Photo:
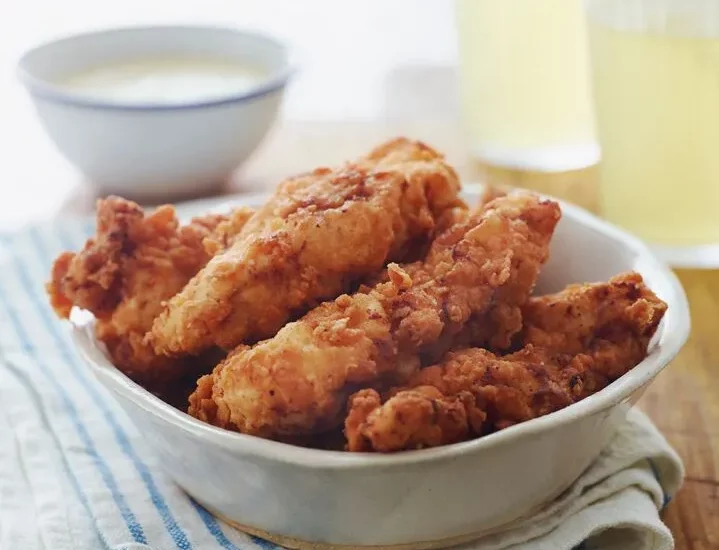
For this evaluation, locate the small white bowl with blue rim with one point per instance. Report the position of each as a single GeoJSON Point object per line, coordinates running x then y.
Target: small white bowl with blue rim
{"type": "Point", "coordinates": [153, 145]}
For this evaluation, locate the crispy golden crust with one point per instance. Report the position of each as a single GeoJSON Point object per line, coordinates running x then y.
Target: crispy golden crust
{"type": "Point", "coordinates": [495, 327]}
{"type": "Point", "coordinates": [439, 419]}
{"type": "Point", "coordinates": [289, 385]}
{"type": "Point", "coordinates": [498, 326]}
{"type": "Point", "coordinates": [224, 234]}
{"type": "Point", "coordinates": [605, 330]}
{"type": "Point", "coordinates": [320, 233]}
{"type": "Point", "coordinates": [297, 382]}
{"type": "Point", "coordinates": [123, 275]}
{"type": "Point", "coordinates": [619, 316]}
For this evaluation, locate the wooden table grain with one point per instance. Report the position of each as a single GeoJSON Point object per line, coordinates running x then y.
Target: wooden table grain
{"type": "Point", "coordinates": [417, 99]}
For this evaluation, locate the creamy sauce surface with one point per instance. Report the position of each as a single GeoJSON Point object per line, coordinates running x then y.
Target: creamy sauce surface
{"type": "Point", "coordinates": [165, 80]}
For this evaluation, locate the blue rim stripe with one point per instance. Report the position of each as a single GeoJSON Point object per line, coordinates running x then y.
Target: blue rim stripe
{"type": "Point", "coordinates": [128, 515]}
{"type": "Point", "coordinates": [49, 94]}
{"type": "Point", "coordinates": [38, 406]}
{"type": "Point", "coordinates": [42, 88]}
{"type": "Point", "coordinates": [173, 528]}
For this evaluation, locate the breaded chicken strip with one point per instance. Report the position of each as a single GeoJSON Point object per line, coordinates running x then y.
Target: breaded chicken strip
{"type": "Point", "coordinates": [125, 272]}
{"type": "Point", "coordinates": [225, 233]}
{"type": "Point", "coordinates": [318, 235]}
{"type": "Point", "coordinates": [495, 327]}
{"type": "Point", "coordinates": [575, 343]}
{"type": "Point", "coordinates": [435, 418]}
{"type": "Point", "coordinates": [297, 382]}
{"type": "Point", "coordinates": [620, 316]}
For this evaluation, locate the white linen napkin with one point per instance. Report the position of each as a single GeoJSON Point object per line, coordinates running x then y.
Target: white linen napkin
{"type": "Point", "coordinates": [614, 505]}
{"type": "Point", "coordinates": [76, 475]}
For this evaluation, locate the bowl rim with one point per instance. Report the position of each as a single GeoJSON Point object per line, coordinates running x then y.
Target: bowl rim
{"type": "Point", "coordinates": [44, 89]}
{"type": "Point", "coordinates": [677, 318]}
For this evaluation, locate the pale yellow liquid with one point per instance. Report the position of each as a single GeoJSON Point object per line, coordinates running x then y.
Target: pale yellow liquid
{"type": "Point", "coordinates": [657, 105]}
{"type": "Point", "coordinates": [524, 82]}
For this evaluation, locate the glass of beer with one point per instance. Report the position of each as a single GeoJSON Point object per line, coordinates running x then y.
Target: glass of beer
{"type": "Point", "coordinates": [524, 83]}
{"type": "Point", "coordinates": [655, 74]}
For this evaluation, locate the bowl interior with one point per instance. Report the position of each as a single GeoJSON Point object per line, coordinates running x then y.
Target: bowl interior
{"type": "Point", "coordinates": [45, 64]}
{"type": "Point", "coordinates": [585, 249]}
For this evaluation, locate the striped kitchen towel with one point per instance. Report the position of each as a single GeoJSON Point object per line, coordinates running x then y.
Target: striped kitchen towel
{"type": "Point", "coordinates": [76, 474]}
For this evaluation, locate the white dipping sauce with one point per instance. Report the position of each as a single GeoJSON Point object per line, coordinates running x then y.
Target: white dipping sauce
{"type": "Point", "coordinates": [166, 80]}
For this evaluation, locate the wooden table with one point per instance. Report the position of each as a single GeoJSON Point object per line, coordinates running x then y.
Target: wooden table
{"type": "Point", "coordinates": [415, 99]}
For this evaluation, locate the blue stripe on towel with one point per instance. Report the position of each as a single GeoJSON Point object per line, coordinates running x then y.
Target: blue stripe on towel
{"type": "Point", "coordinates": [213, 527]}
{"type": "Point", "coordinates": [133, 525]}
{"type": "Point", "coordinates": [73, 242]}
{"type": "Point", "coordinates": [173, 528]}
{"type": "Point", "coordinates": [666, 499]}
{"type": "Point", "coordinates": [262, 543]}
{"type": "Point", "coordinates": [207, 518]}
{"type": "Point", "coordinates": [25, 381]}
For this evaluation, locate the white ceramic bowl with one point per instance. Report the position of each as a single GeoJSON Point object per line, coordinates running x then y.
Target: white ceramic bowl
{"type": "Point", "coordinates": [427, 498]}
{"type": "Point", "coordinates": [155, 149]}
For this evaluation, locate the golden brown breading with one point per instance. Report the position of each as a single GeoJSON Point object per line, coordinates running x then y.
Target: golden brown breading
{"type": "Point", "coordinates": [577, 341]}
{"type": "Point", "coordinates": [226, 231]}
{"type": "Point", "coordinates": [124, 273]}
{"type": "Point", "coordinates": [297, 382]}
{"type": "Point", "coordinates": [437, 419]}
{"type": "Point", "coordinates": [496, 327]}
{"type": "Point", "coordinates": [473, 383]}
{"type": "Point", "coordinates": [623, 312]}
{"type": "Point", "coordinates": [318, 235]}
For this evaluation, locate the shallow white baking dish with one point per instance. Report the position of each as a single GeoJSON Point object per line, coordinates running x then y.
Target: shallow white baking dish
{"type": "Point", "coordinates": [423, 499]}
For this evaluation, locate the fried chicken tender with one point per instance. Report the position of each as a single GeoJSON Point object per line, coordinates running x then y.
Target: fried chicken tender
{"type": "Point", "coordinates": [575, 343]}
{"type": "Point", "coordinates": [225, 233]}
{"type": "Point", "coordinates": [437, 419]}
{"type": "Point", "coordinates": [618, 317]}
{"type": "Point", "coordinates": [124, 273]}
{"type": "Point", "coordinates": [319, 234]}
{"type": "Point", "coordinates": [298, 382]}
{"type": "Point", "coordinates": [496, 327]}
